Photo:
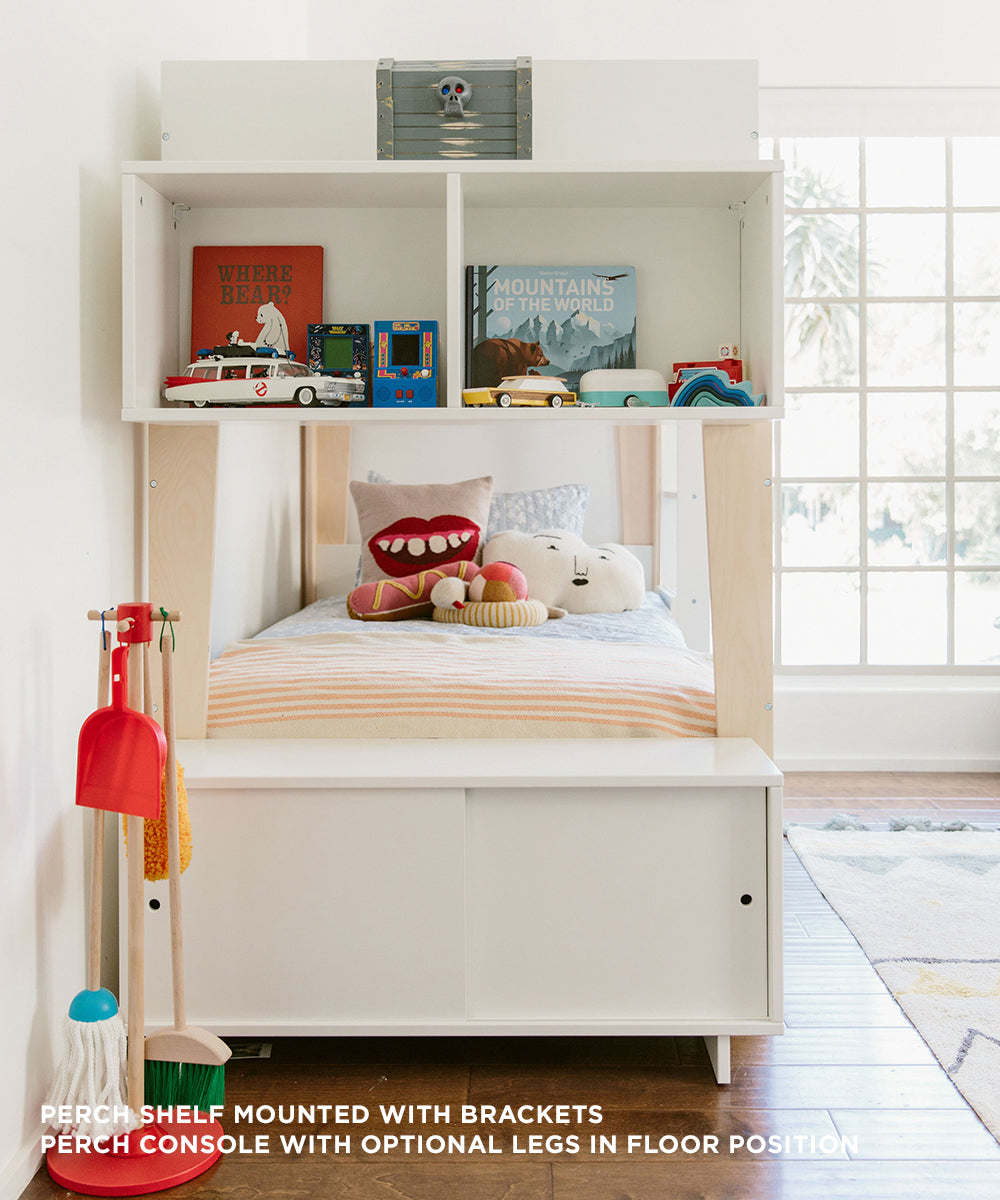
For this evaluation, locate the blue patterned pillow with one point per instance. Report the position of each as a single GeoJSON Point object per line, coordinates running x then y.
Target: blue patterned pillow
{"type": "Point", "coordinates": [562, 507]}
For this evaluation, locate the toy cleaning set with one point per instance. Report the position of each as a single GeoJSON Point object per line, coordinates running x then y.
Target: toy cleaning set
{"type": "Point", "coordinates": [132, 1113]}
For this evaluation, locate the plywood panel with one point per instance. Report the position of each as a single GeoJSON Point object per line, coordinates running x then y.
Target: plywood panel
{"type": "Point", "coordinates": [181, 487]}
{"type": "Point", "coordinates": [738, 497]}
{"type": "Point", "coordinates": [639, 484]}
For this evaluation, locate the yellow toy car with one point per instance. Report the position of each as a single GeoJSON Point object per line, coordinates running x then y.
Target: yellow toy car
{"type": "Point", "coordinates": [540, 390]}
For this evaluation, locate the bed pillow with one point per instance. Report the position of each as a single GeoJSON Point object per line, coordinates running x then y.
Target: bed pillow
{"type": "Point", "coordinates": [407, 528]}
{"type": "Point", "coordinates": [562, 507]}
{"type": "Point", "coordinates": [564, 572]}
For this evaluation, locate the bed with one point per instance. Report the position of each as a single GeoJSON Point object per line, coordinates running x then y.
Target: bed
{"type": "Point", "coordinates": [319, 674]}
{"type": "Point", "coordinates": [574, 829]}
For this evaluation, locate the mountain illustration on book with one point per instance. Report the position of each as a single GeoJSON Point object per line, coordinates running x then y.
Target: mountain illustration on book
{"type": "Point", "coordinates": [548, 320]}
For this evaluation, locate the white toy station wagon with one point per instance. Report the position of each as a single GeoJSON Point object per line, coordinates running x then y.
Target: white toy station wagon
{"type": "Point", "coordinates": [258, 379]}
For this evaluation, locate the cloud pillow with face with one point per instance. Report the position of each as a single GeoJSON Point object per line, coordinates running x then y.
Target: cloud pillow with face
{"type": "Point", "coordinates": [564, 572]}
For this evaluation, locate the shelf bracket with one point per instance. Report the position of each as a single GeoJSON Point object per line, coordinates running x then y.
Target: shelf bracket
{"type": "Point", "coordinates": [176, 209]}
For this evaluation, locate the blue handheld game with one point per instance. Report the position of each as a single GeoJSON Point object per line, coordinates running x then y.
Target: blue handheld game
{"type": "Point", "coordinates": [405, 368]}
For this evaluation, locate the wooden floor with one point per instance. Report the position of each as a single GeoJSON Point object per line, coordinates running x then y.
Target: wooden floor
{"type": "Point", "coordinates": [849, 1067]}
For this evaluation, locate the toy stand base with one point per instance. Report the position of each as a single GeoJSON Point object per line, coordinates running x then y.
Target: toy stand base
{"type": "Point", "coordinates": [143, 1167]}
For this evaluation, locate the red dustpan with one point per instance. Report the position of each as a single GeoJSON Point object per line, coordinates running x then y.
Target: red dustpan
{"type": "Point", "coordinates": [121, 753]}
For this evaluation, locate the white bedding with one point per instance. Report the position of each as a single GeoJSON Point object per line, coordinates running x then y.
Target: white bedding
{"type": "Point", "coordinates": [320, 674]}
{"type": "Point", "coordinates": [652, 625]}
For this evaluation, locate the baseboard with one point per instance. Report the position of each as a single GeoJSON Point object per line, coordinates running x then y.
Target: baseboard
{"type": "Point", "coordinates": [987, 766]}
{"type": "Point", "coordinates": [21, 1169]}
{"type": "Point", "coordinates": [887, 723]}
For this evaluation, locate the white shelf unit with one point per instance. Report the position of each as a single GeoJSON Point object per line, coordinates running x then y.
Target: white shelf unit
{"type": "Point", "coordinates": [704, 239]}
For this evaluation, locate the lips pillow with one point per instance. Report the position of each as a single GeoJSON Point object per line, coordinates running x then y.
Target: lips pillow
{"type": "Point", "coordinates": [564, 572]}
{"type": "Point", "coordinates": [409, 528]}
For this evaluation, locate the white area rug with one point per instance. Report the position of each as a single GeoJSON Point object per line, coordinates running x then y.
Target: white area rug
{"type": "Point", "coordinates": [925, 908]}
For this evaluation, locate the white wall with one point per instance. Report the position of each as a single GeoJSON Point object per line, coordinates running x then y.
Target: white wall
{"type": "Point", "coordinates": [80, 93]}
{"type": "Point", "coordinates": [829, 43]}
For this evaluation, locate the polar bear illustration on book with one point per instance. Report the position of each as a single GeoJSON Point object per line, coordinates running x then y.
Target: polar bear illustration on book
{"type": "Point", "coordinates": [275, 330]}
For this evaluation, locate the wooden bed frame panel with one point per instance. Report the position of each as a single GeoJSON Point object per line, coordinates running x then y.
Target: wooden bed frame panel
{"type": "Point", "coordinates": [182, 464]}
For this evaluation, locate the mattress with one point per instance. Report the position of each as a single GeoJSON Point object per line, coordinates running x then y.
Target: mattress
{"type": "Point", "coordinates": [319, 674]}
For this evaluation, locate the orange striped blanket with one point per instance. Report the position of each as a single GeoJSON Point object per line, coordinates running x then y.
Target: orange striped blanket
{"type": "Point", "coordinates": [438, 685]}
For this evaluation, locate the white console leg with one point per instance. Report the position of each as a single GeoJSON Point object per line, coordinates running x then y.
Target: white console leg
{"type": "Point", "coordinates": [718, 1053]}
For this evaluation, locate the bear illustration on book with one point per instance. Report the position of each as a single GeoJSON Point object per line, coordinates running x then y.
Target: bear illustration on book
{"type": "Point", "coordinates": [498, 358]}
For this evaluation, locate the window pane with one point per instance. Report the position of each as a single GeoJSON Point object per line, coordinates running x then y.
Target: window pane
{"type": "Point", "coordinates": [819, 435]}
{"type": "Point", "coordinates": [906, 254]}
{"type": "Point", "coordinates": [820, 619]}
{"type": "Point", "coordinates": [977, 341]}
{"type": "Point", "coordinates": [821, 255]}
{"type": "Point", "coordinates": [977, 523]}
{"type": "Point", "coordinates": [906, 345]}
{"type": "Point", "coordinates": [907, 524]}
{"type": "Point", "coordinates": [819, 526]}
{"type": "Point", "coordinates": [977, 434]}
{"type": "Point", "coordinates": [906, 433]}
{"type": "Point", "coordinates": [905, 172]}
{"type": "Point", "coordinates": [820, 172]}
{"type": "Point", "coordinates": [976, 169]}
{"type": "Point", "coordinates": [821, 345]}
{"type": "Point", "coordinates": [907, 618]}
{"type": "Point", "coordinates": [977, 253]}
{"type": "Point", "coordinates": [977, 617]}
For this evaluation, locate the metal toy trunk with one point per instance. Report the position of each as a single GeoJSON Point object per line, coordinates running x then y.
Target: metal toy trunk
{"type": "Point", "coordinates": [423, 112]}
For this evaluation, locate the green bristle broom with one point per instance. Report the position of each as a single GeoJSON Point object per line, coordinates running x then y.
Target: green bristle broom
{"type": "Point", "coordinates": [185, 1065]}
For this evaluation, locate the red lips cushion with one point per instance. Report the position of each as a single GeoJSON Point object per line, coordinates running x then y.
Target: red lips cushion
{"type": "Point", "coordinates": [409, 528]}
{"type": "Point", "coordinates": [414, 544]}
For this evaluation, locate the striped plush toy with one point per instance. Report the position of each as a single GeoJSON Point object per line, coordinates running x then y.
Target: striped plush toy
{"type": "Point", "coordinates": [497, 598]}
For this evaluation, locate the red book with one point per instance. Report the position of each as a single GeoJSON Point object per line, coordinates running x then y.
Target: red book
{"type": "Point", "coordinates": [256, 295]}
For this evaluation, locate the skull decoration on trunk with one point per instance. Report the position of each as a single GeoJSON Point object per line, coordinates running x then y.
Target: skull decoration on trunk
{"type": "Point", "coordinates": [454, 93]}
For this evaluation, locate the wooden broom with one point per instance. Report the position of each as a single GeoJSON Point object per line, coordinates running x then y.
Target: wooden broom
{"type": "Point", "coordinates": [184, 1064]}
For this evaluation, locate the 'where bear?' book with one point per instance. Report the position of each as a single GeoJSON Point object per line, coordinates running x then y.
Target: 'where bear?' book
{"type": "Point", "coordinates": [255, 296]}
{"type": "Point", "coordinates": [558, 321]}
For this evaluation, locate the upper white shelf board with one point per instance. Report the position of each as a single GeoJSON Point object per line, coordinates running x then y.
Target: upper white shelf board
{"type": "Point", "coordinates": [485, 184]}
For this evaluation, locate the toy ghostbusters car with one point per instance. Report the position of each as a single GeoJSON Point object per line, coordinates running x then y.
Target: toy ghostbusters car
{"type": "Point", "coordinates": [261, 378]}
{"type": "Point", "coordinates": [522, 389]}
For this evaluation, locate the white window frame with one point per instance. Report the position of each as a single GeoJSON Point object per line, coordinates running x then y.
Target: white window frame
{"type": "Point", "coordinates": [935, 113]}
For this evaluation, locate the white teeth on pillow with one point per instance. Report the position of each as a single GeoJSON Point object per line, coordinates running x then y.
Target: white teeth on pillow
{"type": "Point", "coordinates": [416, 546]}
{"type": "Point", "coordinates": [384, 544]}
{"type": "Point", "coordinates": [466, 535]}
{"type": "Point", "coordinates": [438, 544]}
{"type": "Point", "coordinates": [454, 541]}
{"type": "Point", "coordinates": [397, 545]}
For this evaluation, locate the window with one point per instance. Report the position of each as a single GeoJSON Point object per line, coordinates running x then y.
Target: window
{"type": "Point", "coordinates": [888, 551]}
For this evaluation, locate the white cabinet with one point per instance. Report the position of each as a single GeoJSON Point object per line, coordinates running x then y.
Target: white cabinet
{"type": "Point", "coordinates": [597, 887]}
